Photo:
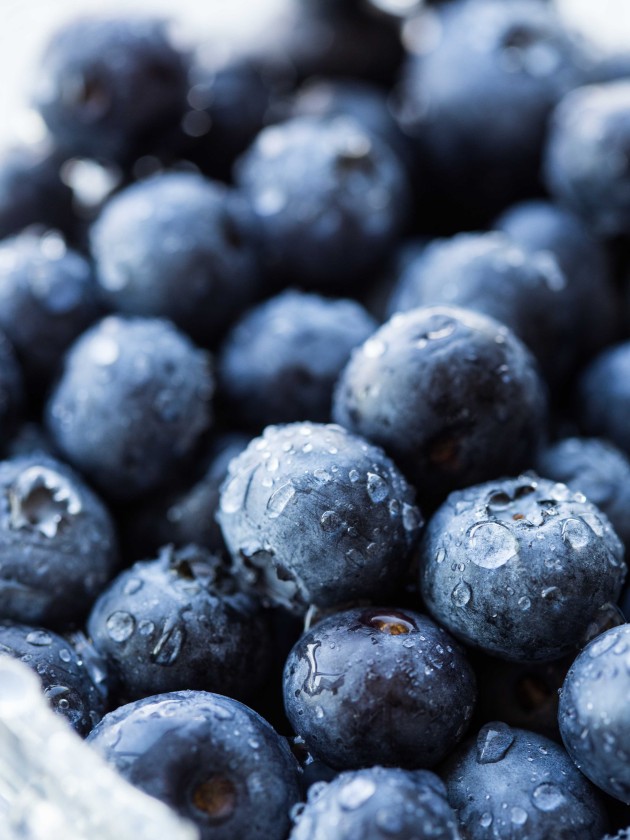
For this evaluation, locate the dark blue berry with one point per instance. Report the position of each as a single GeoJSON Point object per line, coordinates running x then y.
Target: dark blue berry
{"type": "Point", "coordinates": [378, 686]}
{"type": "Point", "coordinates": [603, 396]}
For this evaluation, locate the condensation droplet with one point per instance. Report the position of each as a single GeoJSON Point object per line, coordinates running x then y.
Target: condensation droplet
{"type": "Point", "coordinates": [279, 500]}
{"type": "Point", "coordinates": [461, 594]}
{"type": "Point", "coordinates": [377, 488]}
{"type": "Point", "coordinates": [120, 626]}
{"type": "Point", "coordinates": [548, 797]}
{"type": "Point", "coordinates": [576, 533]}
{"type": "Point", "coordinates": [493, 545]}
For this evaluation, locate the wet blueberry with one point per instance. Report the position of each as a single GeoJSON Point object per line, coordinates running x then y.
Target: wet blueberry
{"type": "Point", "coordinates": [131, 404]}
{"type": "Point", "coordinates": [452, 395]}
{"type": "Point", "coordinates": [510, 784]}
{"type": "Point", "coordinates": [376, 804]}
{"type": "Point", "coordinates": [209, 757]}
{"type": "Point", "coordinates": [521, 567]}
{"type": "Point", "coordinates": [378, 686]}
{"type": "Point", "coordinates": [179, 622]}
{"type": "Point", "coordinates": [315, 515]}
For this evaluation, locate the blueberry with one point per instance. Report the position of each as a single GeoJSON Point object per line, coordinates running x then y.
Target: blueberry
{"type": "Point", "coordinates": [178, 622]}
{"type": "Point", "coordinates": [280, 362]}
{"type": "Point", "coordinates": [65, 679]}
{"type": "Point", "coordinates": [477, 89]}
{"type": "Point", "coordinates": [57, 543]}
{"type": "Point", "coordinates": [603, 396]}
{"type": "Point", "coordinates": [330, 196]}
{"type": "Point", "coordinates": [511, 784]}
{"type": "Point", "coordinates": [375, 804]}
{"type": "Point", "coordinates": [185, 512]}
{"type": "Point", "coordinates": [593, 715]}
{"type": "Point", "coordinates": [491, 274]}
{"type": "Point", "coordinates": [543, 228]}
{"type": "Point", "coordinates": [597, 469]}
{"type": "Point", "coordinates": [520, 567]}
{"type": "Point", "coordinates": [107, 85]}
{"type": "Point", "coordinates": [131, 404]}
{"type": "Point", "coordinates": [378, 686]}
{"type": "Point", "coordinates": [585, 161]}
{"type": "Point", "coordinates": [212, 759]}
{"type": "Point", "coordinates": [452, 395]}
{"type": "Point", "coordinates": [315, 515]}
{"type": "Point", "coordinates": [48, 297]}
{"type": "Point", "coordinates": [178, 246]}
{"type": "Point", "coordinates": [32, 192]}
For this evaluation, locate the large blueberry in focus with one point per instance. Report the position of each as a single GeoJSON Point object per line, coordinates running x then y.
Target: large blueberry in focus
{"type": "Point", "coordinates": [105, 85]}
{"type": "Point", "coordinates": [594, 715]}
{"type": "Point", "coordinates": [378, 803]}
{"type": "Point", "coordinates": [212, 759]}
{"type": "Point", "coordinates": [64, 676]}
{"type": "Point", "coordinates": [178, 622]}
{"type": "Point", "coordinates": [282, 359]}
{"type": "Point", "coordinates": [48, 297]}
{"type": "Point", "coordinates": [378, 686]}
{"type": "Point", "coordinates": [315, 515]}
{"type": "Point", "coordinates": [178, 246]}
{"type": "Point", "coordinates": [131, 404]}
{"type": "Point", "coordinates": [510, 784]}
{"type": "Point", "coordinates": [603, 396]}
{"type": "Point", "coordinates": [331, 199]}
{"type": "Point", "coordinates": [57, 543]}
{"type": "Point", "coordinates": [520, 567]}
{"type": "Point", "coordinates": [586, 165]}
{"type": "Point", "coordinates": [452, 395]}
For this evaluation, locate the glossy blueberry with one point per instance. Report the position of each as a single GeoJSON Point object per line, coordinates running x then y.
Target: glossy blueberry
{"type": "Point", "coordinates": [520, 567]}
{"type": "Point", "coordinates": [65, 679]}
{"type": "Point", "coordinates": [31, 190]}
{"type": "Point", "coordinates": [57, 543]}
{"type": "Point", "coordinates": [597, 469]}
{"type": "Point", "coordinates": [376, 804]}
{"type": "Point", "coordinates": [585, 160]}
{"type": "Point", "coordinates": [212, 759]}
{"type": "Point", "coordinates": [477, 89]}
{"type": "Point", "coordinates": [186, 513]}
{"type": "Point", "coordinates": [452, 395]}
{"type": "Point", "coordinates": [178, 246]}
{"type": "Point", "coordinates": [178, 622]}
{"type": "Point", "coordinates": [603, 396]}
{"type": "Point", "coordinates": [331, 199]}
{"type": "Point", "coordinates": [280, 362]}
{"type": "Point", "coordinates": [491, 274]}
{"type": "Point", "coordinates": [48, 297]}
{"type": "Point", "coordinates": [510, 784]}
{"type": "Point", "coordinates": [106, 85]}
{"type": "Point", "coordinates": [312, 514]}
{"type": "Point", "coordinates": [378, 686]}
{"type": "Point", "coordinates": [541, 227]}
{"type": "Point", "coordinates": [594, 718]}
{"type": "Point", "coordinates": [131, 404]}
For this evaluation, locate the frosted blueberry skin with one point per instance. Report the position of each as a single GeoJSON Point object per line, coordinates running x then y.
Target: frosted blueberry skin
{"type": "Point", "coordinates": [603, 396]}
{"type": "Point", "coordinates": [596, 468]}
{"type": "Point", "coordinates": [57, 543]}
{"type": "Point", "coordinates": [452, 396]}
{"type": "Point", "coordinates": [510, 783]}
{"type": "Point", "coordinates": [281, 360]}
{"type": "Point", "coordinates": [131, 404]}
{"type": "Point", "coordinates": [64, 676]}
{"type": "Point", "coordinates": [585, 165]}
{"type": "Point", "coordinates": [48, 297]}
{"type": "Point", "coordinates": [312, 514]}
{"type": "Point", "coordinates": [178, 622]}
{"type": "Point", "coordinates": [593, 714]}
{"type": "Point", "coordinates": [106, 85]}
{"type": "Point", "coordinates": [520, 568]}
{"type": "Point", "coordinates": [378, 685]}
{"type": "Point", "coordinates": [376, 804]}
{"type": "Point", "coordinates": [212, 759]}
{"type": "Point", "coordinates": [491, 274]}
{"type": "Point", "coordinates": [331, 199]}
{"type": "Point", "coordinates": [178, 246]}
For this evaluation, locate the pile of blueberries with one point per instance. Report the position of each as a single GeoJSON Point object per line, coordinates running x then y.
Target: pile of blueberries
{"type": "Point", "coordinates": [320, 403]}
